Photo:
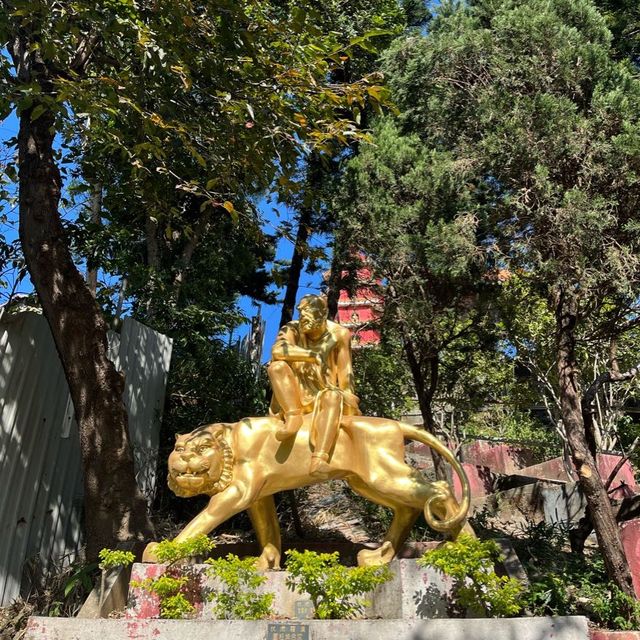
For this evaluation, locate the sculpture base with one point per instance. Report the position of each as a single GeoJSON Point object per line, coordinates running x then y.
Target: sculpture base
{"type": "Point", "coordinates": [413, 592]}
{"type": "Point", "coordinates": [561, 628]}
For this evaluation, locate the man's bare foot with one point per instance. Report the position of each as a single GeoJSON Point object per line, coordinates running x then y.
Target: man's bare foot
{"type": "Point", "coordinates": [292, 423]}
{"type": "Point", "coordinates": [320, 467]}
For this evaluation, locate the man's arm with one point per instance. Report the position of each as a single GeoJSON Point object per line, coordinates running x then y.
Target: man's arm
{"type": "Point", "coordinates": [344, 364]}
{"type": "Point", "coordinates": [286, 348]}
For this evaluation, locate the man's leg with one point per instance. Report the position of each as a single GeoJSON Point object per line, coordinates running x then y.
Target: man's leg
{"type": "Point", "coordinates": [287, 392]}
{"type": "Point", "coordinates": [327, 423]}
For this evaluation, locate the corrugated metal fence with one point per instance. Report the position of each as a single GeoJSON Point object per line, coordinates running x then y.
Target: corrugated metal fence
{"type": "Point", "coordinates": [40, 464]}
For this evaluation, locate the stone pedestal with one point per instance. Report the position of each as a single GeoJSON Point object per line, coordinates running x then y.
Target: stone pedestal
{"type": "Point", "coordinates": [413, 592]}
{"type": "Point", "coordinates": [395, 612]}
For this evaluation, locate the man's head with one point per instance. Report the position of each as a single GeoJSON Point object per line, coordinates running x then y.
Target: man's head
{"type": "Point", "coordinates": [313, 313]}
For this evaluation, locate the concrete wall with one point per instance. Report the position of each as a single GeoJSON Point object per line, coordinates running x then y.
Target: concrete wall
{"type": "Point", "coordinates": [500, 458]}
{"type": "Point", "coordinates": [623, 485]}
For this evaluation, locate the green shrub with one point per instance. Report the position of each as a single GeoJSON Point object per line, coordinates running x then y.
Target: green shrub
{"type": "Point", "coordinates": [476, 587]}
{"type": "Point", "coordinates": [334, 589]}
{"type": "Point", "coordinates": [506, 423]}
{"type": "Point", "coordinates": [110, 558]}
{"type": "Point", "coordinates": [176, 607]}
{"type": "Point", "coordinates": [170, 551]}
{"type": "Point", "coordinates": [565, 583]}
{"type": "Point", "coordinates": [579, 586]}
{"type": "Point", "coordinates": [238, 597]}
{"type": "Point", "coordinates": [176, 590]}
{"type": "Point", "coordinates": [173, 601]}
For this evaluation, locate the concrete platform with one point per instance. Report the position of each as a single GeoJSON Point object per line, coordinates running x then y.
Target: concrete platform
{"type": "Point", "coordinates": [562, 628]}
{"type": "Point", "coordinates": [413, 592]}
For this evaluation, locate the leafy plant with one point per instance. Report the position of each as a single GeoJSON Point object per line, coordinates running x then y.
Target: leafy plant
{"type": "Point", "coordinates": [238, 596]}
{"type": "Point", "coordinates": [177, 591]}
{"type": "Point", "coordinates": [334, 589]}
{"type": "Point", "coordinates": [51, 595]}
{"type": "Point", "coordinates": [539, 542]}
{"type": "Point", "coordinates": [170, 551]}
{"type": "Point", "coordinates": [383, 381]}
{"type": "Point", "coordinates": [471, 564]}
{"type": "Point", "coordinates": [564, 583]}
{"type": "Point", "coordinates": [82, 577]}
{"type": "Point", "coordinates": [579, 586]}
{"type": "Point", "coordinates": [506, 423]}
{"type": "Point", "coordinates": [170, 590]}
{"type": "Point", "coordinates": [111, 558]}
{"type": "Point", "coordinates": [610, 607]}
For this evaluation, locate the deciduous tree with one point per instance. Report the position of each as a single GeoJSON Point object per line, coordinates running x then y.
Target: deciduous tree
{"type": "Point", "coordinates": [239, 86]}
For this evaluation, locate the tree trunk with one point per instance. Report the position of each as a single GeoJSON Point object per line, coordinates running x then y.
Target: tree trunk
{"type": "Point", "coordinates": [589, 479]}
{"type": "Point", "coordinates": [153, 262]}
{"type": "Point", "coordinates": [334, 284]}
{"type": "Point", "coordinates": [114, 507]}
{"type": "Point", "coordinates": [186, 257]}
{"type": "Point", "coordinates": [314, 173]}
{"type": "Point", "coordinates": [425, 392]}
{"type": "Point", "coordinates": [295, 270]}
{"type": "Point", "coordinates": [96, 209]}
{"type": "Point", "coordinates": [293, 282]}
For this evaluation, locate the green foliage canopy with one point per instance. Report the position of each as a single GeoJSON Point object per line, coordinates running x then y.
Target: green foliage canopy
{"type": "Point", "coordinates": [528, 97]}
{"type": "Point", "coordinates": [382, 381]}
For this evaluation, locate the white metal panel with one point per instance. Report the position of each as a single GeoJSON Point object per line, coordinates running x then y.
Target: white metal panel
{"type": "Point", "coordinates": [34, 398]}
{"type": "Point", "coordinates": [40, 463]}
{"type": "Point", "coordinates": [145, 356]}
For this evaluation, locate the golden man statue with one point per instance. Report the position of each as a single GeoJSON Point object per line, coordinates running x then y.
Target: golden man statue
{"type": "Point", "coordinates": [311, 372]}
{"type": "Point", "coordinates": [314, 432]}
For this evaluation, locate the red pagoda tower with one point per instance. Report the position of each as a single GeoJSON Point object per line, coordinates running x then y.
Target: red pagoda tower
{"type": "Point", "coordinates": [360, 312]}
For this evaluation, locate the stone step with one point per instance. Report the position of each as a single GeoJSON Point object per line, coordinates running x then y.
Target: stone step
{"type": "Point", "coordinates": [560, 628]}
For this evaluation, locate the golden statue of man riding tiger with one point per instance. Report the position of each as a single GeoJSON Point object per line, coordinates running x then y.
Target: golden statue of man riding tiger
{"type": "Point", "coordinates": [314, 432]}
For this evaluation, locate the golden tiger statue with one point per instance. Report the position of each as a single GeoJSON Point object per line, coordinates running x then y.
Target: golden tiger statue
{"type": "Point", "coordinates": [242, 465]}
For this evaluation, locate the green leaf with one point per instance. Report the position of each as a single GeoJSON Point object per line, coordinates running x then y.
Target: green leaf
{"type": "Point", "coordinates": [38, 110]}
{"type": "Point", "coordinates": [70, 585]}
{"type": "Point", "coordinates": [299, 17]}
{"type": "Point", "coordinates": [231, 209]}
{"type": "Point", "coordinates": [11, 173]}
{"type": "Point", "coordinates": [374, 33]}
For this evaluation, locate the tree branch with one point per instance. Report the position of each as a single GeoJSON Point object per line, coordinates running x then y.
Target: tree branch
{"type": "Point", "coordinates": [607, 377]}
{"type": "Point", "coordinates": [85, 49]}
{"type": "Point", "coordinates": [621, 462]}
{"type": "Point", "coordinates": [187, 254]}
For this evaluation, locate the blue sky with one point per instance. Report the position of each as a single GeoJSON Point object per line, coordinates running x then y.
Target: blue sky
{"type": "Point", "coordinates": [9, 229]}
{"type": "Point", "coordinates": [309, 283]}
